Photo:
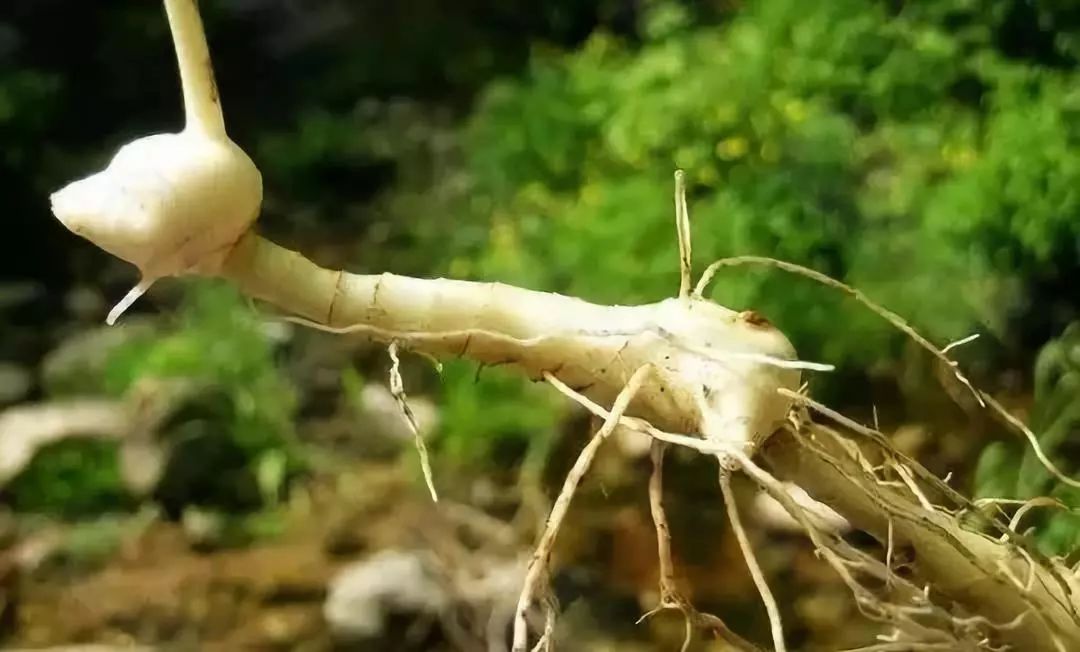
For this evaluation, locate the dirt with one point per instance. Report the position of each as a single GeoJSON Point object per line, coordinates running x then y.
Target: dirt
{"type": "Point", "coordinates": [157, 589]}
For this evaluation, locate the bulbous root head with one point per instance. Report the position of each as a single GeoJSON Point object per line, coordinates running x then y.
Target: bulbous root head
{"type": "Point", "coordinates": [170, 204]}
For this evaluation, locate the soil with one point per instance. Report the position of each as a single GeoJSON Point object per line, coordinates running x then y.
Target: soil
{"type": "Point", "coordinates": [158, 589]}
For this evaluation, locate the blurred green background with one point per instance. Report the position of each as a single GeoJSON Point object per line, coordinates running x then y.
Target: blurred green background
{"type": "Point", "coordinates": [925, 152]}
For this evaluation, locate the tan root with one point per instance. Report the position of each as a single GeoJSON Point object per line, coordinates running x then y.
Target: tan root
{"type": "Point", "coordinates": [684, 371]}
{"type": "Point", "coordinates": [397, 390]}
{"type": "Point", "coordinates": [670, 596]}
{"type": "Point", "coordinates": [538, 567]}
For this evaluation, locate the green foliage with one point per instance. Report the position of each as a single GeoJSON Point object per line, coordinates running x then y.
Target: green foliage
{"type": "Point", "coordinates": [490, 413]}
{"type": "Point", "coordinates": [70, 479]}
{"type": "Point", "coordinates": [219, 342]}
{"type": "Point", "coordinates": [1055, 419]}
{"type": "Point", "coordinates": [908, 149]}
{"type": "Point", "coordinates": [827, 133]}
{"type": "Point", "coordinates": [232, 443]}
{"type": "Point", "coordinates": [230, 439]}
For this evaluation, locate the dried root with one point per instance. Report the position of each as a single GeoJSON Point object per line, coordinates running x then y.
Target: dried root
{"type": "Point", "coordinates": [896, 320]}
{"type": "Point", "coordinates": [775, 624]}
{"type": "Point", "coordinates": [670, 596]}
{"type": "Point", "coordinates": [538, 567]}
{"type": "Point", "coordinates": [397, 390]}
{"type": "Point", "coordinates": [701, 368]}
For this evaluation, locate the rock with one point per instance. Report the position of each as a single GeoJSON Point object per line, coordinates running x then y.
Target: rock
{"type": "Point", "coordinates": [205, 529]}
{"type": "Point", "coordinates": [365, 594]}
{"type": "Point", "coordinates": [25, 429]}
{"type": "Point", "coordinates": [85, 303]}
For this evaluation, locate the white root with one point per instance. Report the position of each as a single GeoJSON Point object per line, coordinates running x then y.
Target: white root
{"type": "Point", "coordinates": [538, 567]}
{"type": "Point", "coordinates": [717, 371]}
{"type": "Point", "coordinates": [723, 452]}
{"type": "Point", "coordinates": [682, 228]}
{"type": "Point", "coordinates": [202, 107]}
{"type": "Point", "coordinates": [775, 624]}
{"type": "Point", "coordinates": [397, 390]}
{"type": "Point", "coordinates": [962, 563]}
{"type": "Point", "coordinates": [129, 299]}
{"type": "Point", "coordinates": [184, 203]}
{"type": "Point", "coordinates": [1031, 438]}
{"type": "Point", "coordinates": [896, 320]}
{"type": "Point", "coordinates": [960, 342]}
{"type": "Point", "coordinates": [814, 275]}
{"type": "Point", "coordinates": [1028, 505]}
{"type": "Point", "coordinates": [670, 598]}
{"type": "Point", "coordinates": [171, 203]}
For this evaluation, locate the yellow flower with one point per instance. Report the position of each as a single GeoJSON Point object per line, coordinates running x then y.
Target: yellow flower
{"type": "Point", "coordinates": [732, 148]}
{"type": "Point", "coordinates": [958, 156]}
{"type": "Point", "coordinates": [795, 111]}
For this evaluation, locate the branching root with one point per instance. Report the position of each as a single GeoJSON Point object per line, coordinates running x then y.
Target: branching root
{"type": "Point", "coordinates": [397, 390]}
{"type": "Point", "coordinates": [896, 320]}
{"type": "Point", "coordinates": [538, 567]}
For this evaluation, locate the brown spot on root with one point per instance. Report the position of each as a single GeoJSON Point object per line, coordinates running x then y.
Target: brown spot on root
{"type": "Point", "coordinates": [754, 318]}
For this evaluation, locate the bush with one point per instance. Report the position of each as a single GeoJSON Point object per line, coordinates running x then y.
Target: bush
{"type": "Point", "coordinates": [906, 150]}
{"type": "Point", "coordinates": [825, 133]}
{"type": "Point", "coordinates": [70, 479]}
{"type": "Point", "coordinates": [230, 440]}
{"type": "Point", "coordinates": [1055, 419]}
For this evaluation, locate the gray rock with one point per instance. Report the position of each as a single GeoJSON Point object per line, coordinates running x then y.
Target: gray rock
{"type": "Point", "coordinates": [366, 593]}
{"type": "Point", "coordinates": [76, 365]}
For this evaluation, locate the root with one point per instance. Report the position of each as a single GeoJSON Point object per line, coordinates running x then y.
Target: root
{"type": "Point", "coordinates": [814, 275]}
{"type": "Point", "coordinates": [538, 567]}
{"type": "Point", "coordinates": [919, 620]}
{"type": "Point", "coordinates": [1032, 439]}
{"type": "Point", "coordinates": [775, 624]}
{"type": "Point", "coordinates": [1028, 505]}
{"type": "Point", "coordinates": [129, 299]}
{"type": "Point", "coordinates": [984, 399]}
{"type": "Point", "coordinates": [495, 323]}
{"type": "Point", "coordinates": [682, 229]}
{"type": "Point", "coordinates": [546, 640]}
{"type": "Point", "coordinates": [964, 565]}
{"type": "Point", "coordinates": [670, 596]}
{"type": "Point", "coordinates": [878, 438]}
{"type": "Point", "coordinates": [397, 390]}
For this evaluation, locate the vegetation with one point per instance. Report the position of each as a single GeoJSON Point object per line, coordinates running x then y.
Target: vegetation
{"type": "Point", "coordinates": [230, 438]}
{"type": "Point", "coordinates": [1056, 418]}
{"type": "Point", "coordinates": [924, 153]}
{"type": "Point", "coordinates": [72, 479]}
{"type": "Point", "coordinates": [833, 134]}
{"type": "Point", "coordinates": [857, 138]}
